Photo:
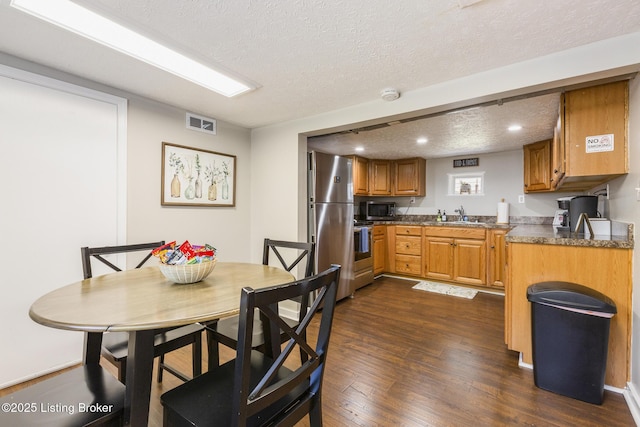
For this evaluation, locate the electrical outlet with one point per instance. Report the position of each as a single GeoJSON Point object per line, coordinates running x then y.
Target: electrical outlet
{"type": "Point", "coordinates": [412, 200]}
{"type": "Point", "coordinates": [521, 198]}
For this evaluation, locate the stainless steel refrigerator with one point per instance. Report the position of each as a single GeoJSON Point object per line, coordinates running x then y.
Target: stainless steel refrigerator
{"type": "Point", "coordinates": [330, 224]}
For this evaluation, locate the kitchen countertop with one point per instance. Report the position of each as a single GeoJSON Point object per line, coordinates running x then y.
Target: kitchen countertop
{"type": "Point", "coordinates": [468, 224]}
{"type": "Point", "coordinates": [532, 230]}
{"type": "Point", "coordinates": [546, 235]}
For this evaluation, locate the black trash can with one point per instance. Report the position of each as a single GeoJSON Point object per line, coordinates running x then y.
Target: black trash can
{"type": "Point", "coordinates": [570, 337]}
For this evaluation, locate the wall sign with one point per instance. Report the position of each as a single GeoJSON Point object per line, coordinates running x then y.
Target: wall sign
{"type": "Point", "coordinates": [462, 163]}
{"type": "Point", "coordinates": [599, 143]}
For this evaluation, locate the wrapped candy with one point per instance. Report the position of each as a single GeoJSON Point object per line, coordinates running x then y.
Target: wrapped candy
{"type": "Point", "coordinates": [186, 253]}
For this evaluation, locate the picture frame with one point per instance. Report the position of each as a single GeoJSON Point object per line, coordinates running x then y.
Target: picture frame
{"type": "Point", "coordinates": [196, 177]}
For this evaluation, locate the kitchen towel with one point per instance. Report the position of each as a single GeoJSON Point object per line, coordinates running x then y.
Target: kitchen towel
{"type": "Point", "coordinates": [503, 213]}
{"type": "Point", "coordinates": [364, 239]}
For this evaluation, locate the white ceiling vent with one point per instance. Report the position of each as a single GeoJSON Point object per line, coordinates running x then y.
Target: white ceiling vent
{"type": "Point", "coordinates": [202, 124]}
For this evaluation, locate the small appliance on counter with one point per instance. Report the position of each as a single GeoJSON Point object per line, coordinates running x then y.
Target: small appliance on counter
{"type": "Point", "coordinates": [579, 205]}
{"type": "Point", "coordinates": [569, 210]}
{"type": "Point", "coordinates": [561, 217]}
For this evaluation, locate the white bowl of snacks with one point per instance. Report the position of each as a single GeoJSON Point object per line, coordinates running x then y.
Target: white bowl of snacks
{"type": "Point", "coordinates": [186, 263]}
{"type": "Point", "coordinates": [188, 273]}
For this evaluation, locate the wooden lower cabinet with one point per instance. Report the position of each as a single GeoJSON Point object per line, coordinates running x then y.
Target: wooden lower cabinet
{"type": "Point", "coordinates": [455, 254]}
{"type": "Point", "coordinates": [408, 250]}
{"type": "Point", "coordinates": [606, 270]}
{"type": "Point", "coordinates": [438, 259]}
{"type": "Point", "coordinates": [470, 262]}
{"type": "Point", "coordinates": [379, 249]}
{"type": "Point", "coordinates": [465, 255]}
{"type": "Point", "coordinates": [496, 253]}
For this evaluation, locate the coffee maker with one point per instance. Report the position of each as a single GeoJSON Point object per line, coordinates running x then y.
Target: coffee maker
{"type": "Point", "coordinates": [579, 205]}
{"type": "Point", "coordinates": [561, 217]}
{"type": "Point", "coordinates": [569, 210]}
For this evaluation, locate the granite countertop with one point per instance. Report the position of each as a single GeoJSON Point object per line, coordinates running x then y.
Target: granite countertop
{"type": "Point", "coordinates": [546, 235]}
{"type": "Point", "coordinates": [531, 230]}
{"type": "Point", "coordinates": [466, 224]}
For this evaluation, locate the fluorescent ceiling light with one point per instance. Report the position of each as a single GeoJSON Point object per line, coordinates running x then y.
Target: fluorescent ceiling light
{"type": "Point", "coordinates": [422, 140]}
{"type": "Point", "coordinates": [86, 23]}
{"type": "Point", "coordinates": [514, 128]}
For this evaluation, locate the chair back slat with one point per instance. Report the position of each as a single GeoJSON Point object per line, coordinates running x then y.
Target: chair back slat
{"type": "Point", "coordinates": [279, 381]}
{"type": "Point", "coordinates": [98, 252]}
{"type": "Point", "coordinates": [307, 250]}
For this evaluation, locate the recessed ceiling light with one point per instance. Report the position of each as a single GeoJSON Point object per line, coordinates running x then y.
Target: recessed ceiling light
{"type": "Point", "coordinates": [86, 23]}
{"type": "Point", "coordinates": [359, 148]}
{"type": "Point", "coordinates": [422, 140]}
{"type": "Point", "coordinates": [514, 128]}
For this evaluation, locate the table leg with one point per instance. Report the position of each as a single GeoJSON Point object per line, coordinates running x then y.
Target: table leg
{"type": "Point", "coordinates": [139, 376]}
{"type": "Point", "coordinates": [92, 348]}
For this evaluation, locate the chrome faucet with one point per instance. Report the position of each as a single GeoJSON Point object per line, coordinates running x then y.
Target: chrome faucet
{"type": "Point", "coordinates": [460, 212]}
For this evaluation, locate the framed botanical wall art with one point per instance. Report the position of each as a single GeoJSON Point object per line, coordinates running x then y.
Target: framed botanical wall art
{"type": "Point", "coordinates": [195, 177]}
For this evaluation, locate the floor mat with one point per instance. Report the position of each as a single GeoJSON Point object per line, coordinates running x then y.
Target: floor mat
{"type": "Point", "coordinates": [445, 289]}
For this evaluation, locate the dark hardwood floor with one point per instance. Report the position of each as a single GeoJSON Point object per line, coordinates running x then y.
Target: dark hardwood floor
{"type": "Point", "coordinates": [403, 357]}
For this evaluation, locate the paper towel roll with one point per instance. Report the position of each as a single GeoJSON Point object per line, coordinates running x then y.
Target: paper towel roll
{"type": "Point", "coordinates": [503, 213]}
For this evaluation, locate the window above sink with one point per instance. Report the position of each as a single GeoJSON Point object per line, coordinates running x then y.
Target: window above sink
{"type": "Point", "coordinates": [466, 184]}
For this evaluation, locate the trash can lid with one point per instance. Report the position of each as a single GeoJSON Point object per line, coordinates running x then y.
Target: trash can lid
{"type": "Point", "coordinates": [571, 296]}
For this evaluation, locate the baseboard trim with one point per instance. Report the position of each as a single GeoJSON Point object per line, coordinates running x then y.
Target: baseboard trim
{"type": "Point", "coordinates": [42, 373]}
{"type": "Point", "coordinates": [632, 397]}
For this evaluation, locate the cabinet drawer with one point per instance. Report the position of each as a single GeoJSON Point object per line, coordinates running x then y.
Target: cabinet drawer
{"type": "Point", "coordinates": [456, 232]}
{"type": "Point", "coordinates": [379, 230]}
{"type": "Point", "coordinates": [409, 245]}
{"type": "Point", "coordinates": [408, 230]}
{"type": "Point", "coordinates": [408, 264]}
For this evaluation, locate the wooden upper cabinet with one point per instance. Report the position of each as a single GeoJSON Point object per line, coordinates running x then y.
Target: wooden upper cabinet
{"type": "Point", "coordinates": [596, 143]}
{"type": "Point", "coordinates": [590, 141]}
{"type": "Point", "coordinates": [360, 176]}
{"type": "Point", "coordinates": [537, 166]}
{"type": "Point", "coordinates": [410, 177]}
{"type": "Point", "coordinates": [380, 178]}
{"type": "Point", "coordinates": [557, 148]}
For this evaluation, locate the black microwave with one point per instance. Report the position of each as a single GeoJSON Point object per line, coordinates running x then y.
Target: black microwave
{"type": "Point", "coordinates": [377, 211]}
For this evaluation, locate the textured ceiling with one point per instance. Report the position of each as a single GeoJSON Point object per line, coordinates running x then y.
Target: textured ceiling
{"type": "Point", "coordinates": [469, 131]}
{"type": "Point", "coordinates": [310, 57]}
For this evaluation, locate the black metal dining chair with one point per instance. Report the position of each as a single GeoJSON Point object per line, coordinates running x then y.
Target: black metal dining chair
{"type": "Point", "coordinates": [257, 389]}
{"type": "Point", "coordinates": [115, 344]}
{"type": "Point", "coordinates": [225, 331]}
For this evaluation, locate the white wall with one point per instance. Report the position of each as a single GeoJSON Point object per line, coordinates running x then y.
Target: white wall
{"type": "Point", "coordinates": [226, 228]}
{"type": "Point", "coordinates": [46, 212]}
{"type": "Point", "coordinates": [63, 188]}
{"type": "Point", "coordinates": [503, 178]}
{"type": "Point", "coordinates": [624, 203]}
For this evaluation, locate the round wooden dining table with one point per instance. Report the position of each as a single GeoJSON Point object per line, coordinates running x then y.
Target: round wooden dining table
{"type": "Point", "coordinates": [141, 301]}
